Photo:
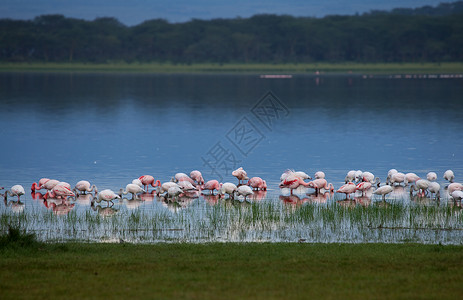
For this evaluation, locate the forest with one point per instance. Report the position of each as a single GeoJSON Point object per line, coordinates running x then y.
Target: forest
{"type": "Point", "coordinates": [426, 34]}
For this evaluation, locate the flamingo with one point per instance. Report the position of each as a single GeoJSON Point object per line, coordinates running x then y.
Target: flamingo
{"type": "Point", "coordinates": [350, 177]}
{"type": "Point", "coordinates": [383, 190]}
{"type": "Point", "coordinates": [16, 190]}
{"type": "Point", "coordinates": [131, 188]}
{"type": "Point", "coordinates": [46, 184]}
{"type": "Point", "coordinates": [165, 186]}
{"type": "Point", "coordinates": [292, 181]}
{"type": "Point", "coordinates": [148, 180]}
{"type": "Point", "coordinates": [212, 185]}
{"type": "Point", "coordinates": [186, 185]}
{"type": "Point", "coordinates": [245, 191]}
{"type": "Point", "coordinates": [62, 189]}
{"type": "Point", "coordinates": [449, 176]}
{"type": "Point", "coordinates": [397, 177]}
{"type": "Point", "coordinates": [457, 195]}
{"type": "Point", "coordinates": [390, 173]}
{"type": "Point", "coordinates": [183, 177]}
{"type": "Point", "coordinates": [434, 188]}
{"type": "Point", "coordinates": [137, 182]}
{"type": "Point", "coordinates": [174, 191]}
{"type": "Point", "coordinates": [319, 175]}
{"type": "Point", "coordinates": [411, 178]}
{"type": "Point", "coordinates": [347, 189]}
{"type": "Point", "coordinates": [197, 176]}
{"type": "Point", "coordinates": [454, 186]}
{"type": "Point", "coordinates": [84, 186]}
{"type": "Point", "coordinates": [421, 185]}
{"type": "Point", "coordinates": [300, 174]}
{"type": "Point", "coordinates": [257, 183]}
{"type": "Point", "coordinates": [228, 188]}
{"type": "Point", "coordinates": [363, 186]}
{"type": "Point", "coordinates": [42, 181]}
{"type": "Point", "coordinates": [318, 184]}
{"type": "Point", "coordinates": [240, 174]}
{"type": "Point", "coordinates": [431, 176]}
{"type": "Point", "coordinates": [369, 177]}
{"type": "Point", "coordinates": [107, 195]}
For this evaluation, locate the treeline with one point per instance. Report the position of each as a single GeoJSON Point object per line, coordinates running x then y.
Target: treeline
{"type": "Point", "coordinates": [371, 37]}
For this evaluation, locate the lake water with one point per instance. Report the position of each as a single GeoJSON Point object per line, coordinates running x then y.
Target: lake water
{"type": "Point", "coordinates": [109, 129]}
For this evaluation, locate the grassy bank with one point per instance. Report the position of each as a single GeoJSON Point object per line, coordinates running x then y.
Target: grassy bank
{"type": "Point", "coordinates": [34, 270]}
{"type": "Point", "coordinates": [322, 68]}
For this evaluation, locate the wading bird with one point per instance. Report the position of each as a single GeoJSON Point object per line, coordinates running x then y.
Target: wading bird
{"type": "Point", "coordinates": [84, 186]}
{"type": "Point", "coordinates": [16, 190]}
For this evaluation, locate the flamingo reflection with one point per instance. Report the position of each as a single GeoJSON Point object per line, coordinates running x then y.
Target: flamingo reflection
{"type": "Point", "coordinates": [59, 206]}
{"type": "Point", "coordinates": [320, 197]}
{"type": "Point", "coordinates": [148, 197]}
{"type": "Point", "coordinates": [211, 199]}
{"type": "Point", "coordinates": [259, 195]}
{"type": "Point", "coordinates": [83, 199]}
{"type": "Point", "coordinates": [16, 206]}
{"type": "Point", "coordinates": [104, 211]}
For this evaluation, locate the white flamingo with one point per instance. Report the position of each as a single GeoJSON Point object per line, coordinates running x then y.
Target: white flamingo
{"type": "Point", "coordinates": [131, 188]}
{"type": "Point", "coordinates": [383, 190]}
{"type": "Point", "coordinates": [431, 176]}
{"type": "Point", "coordinates": [228, 188]}
{"type": "Point", "coordinates": [84, 186]}
{"type": "Point", "coordinates": [15, 190]}
{"type": "Point", "coordinates": [107, 195]}
{"type": "Point", "coordinates": [319, 175]}
{"type": "Point", "coordinates": [244, 191]}
{"type": "Point", "coordinates": [449, 176]}
{"type": "Point", "coordinates": [411, 178]}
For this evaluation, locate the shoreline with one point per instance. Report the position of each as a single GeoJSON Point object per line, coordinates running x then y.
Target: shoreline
{"type": "Point", "coordinates": [319, 69]}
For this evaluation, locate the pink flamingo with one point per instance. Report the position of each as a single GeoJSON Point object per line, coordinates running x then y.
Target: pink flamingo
{"type": "Point", "coordinates": [292, 182]}
{"type": "Point", "coordinates": [363, 186]}
{"type": "Point", "coordinates": [257, 183]}
{"type": "Point", "coordinates": [240, 174]}
{"type": "Point", "coordinates": [147, 180]}
{"type": "Point", "coordinates": [183, 177]}
{"type": "Point", "coordinates": [347, 189]}
{"type": "Point", "coordinates": [61, 189]}
{"type": "Point", "coordinates": [212, 185]}
{"type": "Point", "coordinates": [321, 183]}
{"type": "Point", "coordinates": [50, 184]}
{"type": "Point", "coordinates": [197, 176]}
{"type": "Point", "coordinates": [39, 186]}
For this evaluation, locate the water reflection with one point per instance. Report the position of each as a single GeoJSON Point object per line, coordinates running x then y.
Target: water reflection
{"type": "Point", "coordinates": [16, 206]}
{"type": "Point", "coordinates": [104, 211]}
{"type": "Point", "coordinates": [59, 206]}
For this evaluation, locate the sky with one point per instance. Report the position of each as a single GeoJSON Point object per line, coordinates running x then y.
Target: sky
{"type": "Point", "coordinates": [134, 12]}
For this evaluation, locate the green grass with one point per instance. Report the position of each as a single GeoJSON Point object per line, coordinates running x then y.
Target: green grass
{"type": "Point", "coordinates": [237, 68]}
{"type": "Point", "coordinates": [229, 271]}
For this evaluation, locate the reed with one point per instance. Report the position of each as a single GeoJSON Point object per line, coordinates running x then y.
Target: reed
{"type": "Point", "coordinates": [267, 220]}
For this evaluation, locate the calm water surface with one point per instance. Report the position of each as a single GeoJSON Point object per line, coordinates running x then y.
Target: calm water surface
{"type": "Point", "coordinates": [109, 129]}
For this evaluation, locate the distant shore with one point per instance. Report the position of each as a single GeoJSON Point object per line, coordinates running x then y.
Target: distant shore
{"type": "Point", "coordinates": [241, 68]}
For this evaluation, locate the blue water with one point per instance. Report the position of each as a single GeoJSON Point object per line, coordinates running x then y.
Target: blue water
{"type": "Point", "coordinates": [109, 129]}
